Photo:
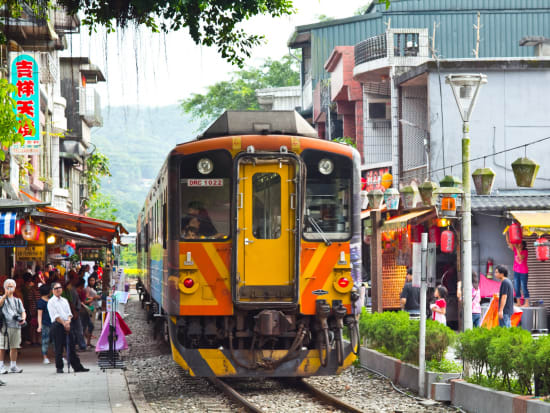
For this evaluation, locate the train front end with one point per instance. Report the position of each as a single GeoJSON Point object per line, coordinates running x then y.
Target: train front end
{"type": "Point", "coordinates": [263, 255]}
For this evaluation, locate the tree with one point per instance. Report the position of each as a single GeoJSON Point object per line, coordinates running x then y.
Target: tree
{"type": "Point", "coordinates": [239, 93]}
{"type": "Point", "coordinates": [97, 166]}
{"type": "Point", "coordinates": [101, 207]}
{"type": "Point", "coordinates": [210, 22]}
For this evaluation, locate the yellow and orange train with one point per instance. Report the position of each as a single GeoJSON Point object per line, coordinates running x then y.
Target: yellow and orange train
{"type": "Point", "coordinates": [249, 248]}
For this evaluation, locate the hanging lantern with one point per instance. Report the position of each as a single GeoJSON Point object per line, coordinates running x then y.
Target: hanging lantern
{"type": "Point", "coordinates": [376, 198]}
{"type": "Point", "coordinates": [450, 181]}
{"type": "Point", "coordinates": [28, 232]}
{"type": "Point", "coordinates": [484, 178]}
{"type": "Point", "coordinates": [542, 249]}
{"type": "Point", "coordinates": [434, 235]}
{"type": "Point", "coordinates": [36, 233]}
{"type": "Point", "coordinates": [448, 200]}
{"type": "Point", "coordinates": [447, 241]}
{"type": "Point", "coordinates": [416, 232]}
{"type": "Point", "coordinates": [18, 226]}
{"type": "Point", "coordinates": [426, 190]}
{"type": "Point", "coordinates": [364, 200]}
{"type": "Point", "coordinates": [410, 197]}
{"type": "Point", "coordinates": [525, 171]}
{"type": "Point", "coordinates": [391, 198]}
{"type": "Point", "coordinates": [514, 233]}
{"type": "Point", "coordinates": [387, 180]}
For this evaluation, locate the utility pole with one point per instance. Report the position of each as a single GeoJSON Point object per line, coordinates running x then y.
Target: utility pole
{"type": "Point", "coordinates": [422, 331]}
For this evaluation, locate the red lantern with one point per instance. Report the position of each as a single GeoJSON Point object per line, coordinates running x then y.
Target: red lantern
{"type": "Point", "coordinates": [434, 235]}
{"type": "Point", "coordinates": [514, 233]}
{"type": "Point", "coordinates": [543, 249]}
{"type": "Point", "coordinates": [18, 225]}
{"type": "Point", "coordinates": [447, 241]}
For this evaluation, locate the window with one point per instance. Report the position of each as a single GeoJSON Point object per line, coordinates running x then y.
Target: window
{"type": "Point", "coordinates": [266, 205]}
{"type": "Point", "coordinates": [328, 198]}
{"type": "Point", "coordinates": [205, 198]}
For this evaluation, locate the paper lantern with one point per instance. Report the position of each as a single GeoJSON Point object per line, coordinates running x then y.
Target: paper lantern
{"type": "Point", "coordinates": [409, 197]}
{"type": "Point", "coordinates": [28, 232]}
{"type": "Point", "coordinates": [525, 171]}
{"type": "Point", "coordinates": [447, 241]}
{"type": "Point", "coordinates": [484, 178]}
{"type": "Point", "coordinates": [376, 198]}
{"type": "Point", "coordinates": [391, 198]}
{"type": "Point", "coordinates": [542, 249]}
{"type": "Point", "coordinates": [514, 233]}
{"type": "Point", "coordinates": [427, 194]}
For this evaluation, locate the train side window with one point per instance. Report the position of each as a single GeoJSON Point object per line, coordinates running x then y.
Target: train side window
{"type": "Point", "coordinates": [164, 226]}
{"type": "Point", "coordinates": [266, 205]}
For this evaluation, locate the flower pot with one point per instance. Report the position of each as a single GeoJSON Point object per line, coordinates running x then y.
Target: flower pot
{"type": "Point", "coordinates": [409, 197]}
{"type": "Point", "coordinates": [391, 198]}
{"type": "Point", "coordinates": [525, 171]}
{"type": "Point", "coordinates": [484, 178]}
{"type": "Point", "coordinates": [426, 190]}
{"type": "Point", "coordinates": [376, 198]}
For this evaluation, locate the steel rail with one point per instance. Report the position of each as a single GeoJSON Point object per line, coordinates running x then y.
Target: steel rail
{"type": "Point", "coordinates": [334, 401]}
{"type": "Point", "coordinates": [235, 395]}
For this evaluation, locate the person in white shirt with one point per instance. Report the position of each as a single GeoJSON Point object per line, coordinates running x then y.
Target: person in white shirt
{"type": "Point", "coordinates": [14, 317]}
{"type": "Point", "coordinates": [61, 315]}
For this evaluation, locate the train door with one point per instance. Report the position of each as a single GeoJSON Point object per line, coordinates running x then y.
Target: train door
{"type": "Point", "coordinates": [266, 235]}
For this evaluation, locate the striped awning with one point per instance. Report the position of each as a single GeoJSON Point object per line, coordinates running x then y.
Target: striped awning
{"type": "Point", "coordinates": [7, 223]}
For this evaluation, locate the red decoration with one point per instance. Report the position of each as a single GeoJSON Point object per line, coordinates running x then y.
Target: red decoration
{"type": "Point", "coordinates": [416, 233]}
{"type": "Point", "coordinates": [543, 249]}
{"type": "Point", "coordinates": [18, 225]}
{"type": "Point", "coordinates": [434, 235]}
{"type": "Point", "coordinates": [447, 241]}
{"type": "Point", "coordinates": [514, 233]}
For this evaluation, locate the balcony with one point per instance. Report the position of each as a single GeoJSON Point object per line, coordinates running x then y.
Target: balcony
{"type": "Point", "coordinates": [396, 47]}
{"type": "Point", "coordinates": [89, 107]}
{"type": "Point", "coordinates": [49, 68]}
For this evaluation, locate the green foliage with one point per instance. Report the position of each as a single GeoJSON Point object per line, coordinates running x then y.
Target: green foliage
{"type": "Point", "coordinates": [97, 166]}
{"type": "Point", "coordinates": [210, 22]}
{"type": "Point", "coordinates": [239, 93]}
{"type": "Point", "coordinates": [393, 333]}
{"type": "Point", "coordinates": [10, 121]}
{"type": "Point", "coordinates": [101, 207]}
{"type": "Point", "coordinates": [541, 356]}
{"type": "Point", "coordinates": [443, 366]}
{"type": "Point", "coordinates": [346, 140]}
{"type": "Point", "coordinates": [128, 256]}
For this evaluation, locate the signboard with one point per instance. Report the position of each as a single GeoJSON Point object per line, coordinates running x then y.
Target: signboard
{"type": "Point", "coordinates": [374, 178]}
{"type": "Point", "coordinates": [90, 254]}
{"type": "Point", "coordinates": [24, 76]}
{"type": "Point", "coordinates": [205, 182]}
{"type": "Point", "coordinates": [17, 241]}
{"type": "Point", "coordinates": [31, 253]}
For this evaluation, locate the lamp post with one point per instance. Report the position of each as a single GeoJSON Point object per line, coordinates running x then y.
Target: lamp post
{"type": "Point", "coordinates": [465, 89]}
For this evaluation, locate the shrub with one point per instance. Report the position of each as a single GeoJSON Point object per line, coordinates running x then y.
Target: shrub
{"type": "Point", "coordinates": [541, 356]}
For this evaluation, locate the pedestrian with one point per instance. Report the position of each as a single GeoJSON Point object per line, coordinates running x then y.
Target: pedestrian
{"type": "Point", "coordinates": [76, 305]}
{"type": "Point", "coordinates": [439, 308]}
{"type": "Point", "coordinates": [521, 271]}
{"type": "Point", "coordinates": [476, 300]}
{"type": "Point", "coordinates": [506, 297]}
{"type": "Point", "coordinates": [44, 321]}
{"type": "Point", "coordinates": [61, 315]}
{"type": "Point", "coordinates": [410, 295]}
{"type": "Point", "coordinates": [14, 317]}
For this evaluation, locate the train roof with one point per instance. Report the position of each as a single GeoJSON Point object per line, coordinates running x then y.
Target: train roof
{"type": "Point", "coordinates": [257, 122]}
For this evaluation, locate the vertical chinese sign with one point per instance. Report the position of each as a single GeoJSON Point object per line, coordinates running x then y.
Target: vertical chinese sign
{"type": "Point", "coordinates": [24, 75]}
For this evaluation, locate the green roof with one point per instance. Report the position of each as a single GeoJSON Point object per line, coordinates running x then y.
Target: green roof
{"type": "Point", "coordinates": [504, 23]}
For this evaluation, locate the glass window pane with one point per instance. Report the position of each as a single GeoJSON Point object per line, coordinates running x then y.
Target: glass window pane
{"type": "Point", "coordinates": [266, 205]}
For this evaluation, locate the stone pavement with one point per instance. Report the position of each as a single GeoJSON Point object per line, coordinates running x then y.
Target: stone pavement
{"type": "Point", "coordinates": [40, 389]}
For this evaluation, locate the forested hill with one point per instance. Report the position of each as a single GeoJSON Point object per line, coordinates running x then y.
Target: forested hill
{"type": "Point", "coordinates": [137, 139]}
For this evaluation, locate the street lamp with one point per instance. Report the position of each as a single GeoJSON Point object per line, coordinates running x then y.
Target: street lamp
{"type": "Point", "coordinates": [465, 89]}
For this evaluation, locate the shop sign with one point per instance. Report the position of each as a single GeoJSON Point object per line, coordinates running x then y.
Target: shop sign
{"type": "Point", "coordinates": [31, 253]}
{"type": "Point", "coordinates": [18, 241]}
{"type": "Point", "coordinates": [90, 254]}
{"type": "Point", "coordinates": [374, 178]}
{"type": "Point", "coordinates": [24, 76]}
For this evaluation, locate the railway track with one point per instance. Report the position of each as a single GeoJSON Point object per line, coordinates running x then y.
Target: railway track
{"type": "Point", "coordinates": [297, 384]}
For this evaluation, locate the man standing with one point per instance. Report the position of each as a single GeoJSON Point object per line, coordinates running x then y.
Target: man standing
{"type": "Point", "coordinates": [506, 297]}
{"type": "Point", "coordinates": [410, 296]}
{"type": "Point", "coordinates": [10, 334]}
{"type": "Point", "coordinates": [60, 314]}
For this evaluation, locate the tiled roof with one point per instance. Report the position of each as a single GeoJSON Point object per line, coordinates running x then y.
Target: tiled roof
{"type": "Point", "coordinates": [515, 201]}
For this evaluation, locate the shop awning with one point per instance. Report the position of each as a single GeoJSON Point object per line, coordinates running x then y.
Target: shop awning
{"type": "Point", "coordinates": [537, 222]}
{"type": "Point", "coordinates": [402, 220]}
{"type": "Point", "coordinates": [365, 213]}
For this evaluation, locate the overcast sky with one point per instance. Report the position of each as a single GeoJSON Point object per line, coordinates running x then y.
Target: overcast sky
{"type": "Point", "coordinates": [157, 69]}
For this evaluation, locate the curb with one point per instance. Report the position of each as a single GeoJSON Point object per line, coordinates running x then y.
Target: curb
{"type": "Point", "coordinates": [136, 395]}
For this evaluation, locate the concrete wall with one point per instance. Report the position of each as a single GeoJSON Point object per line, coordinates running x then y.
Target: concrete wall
{"type": "Point", "coordinates": [488, 241]}
{"type": "Point", "coordinates": [512, 109]}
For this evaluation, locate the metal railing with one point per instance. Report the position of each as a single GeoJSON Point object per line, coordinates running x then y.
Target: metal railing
{"type": "Point", "coordinates": [402, 43]}
{"type": "Point", "coordinates": [49, 68]}
{"type": "Point", "coordinates": [377, 145]}
{"type": "Point", "coordinates": [371, 49]}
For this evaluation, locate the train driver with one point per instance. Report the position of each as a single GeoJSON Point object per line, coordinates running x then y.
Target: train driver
{"type": "Point", "coordinates": [197, 223]}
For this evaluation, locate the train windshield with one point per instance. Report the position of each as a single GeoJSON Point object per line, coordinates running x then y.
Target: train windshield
{"type": "Point", "coordinates": [328, 196]}
{"type": "Point", "coordinates": [205, 197]}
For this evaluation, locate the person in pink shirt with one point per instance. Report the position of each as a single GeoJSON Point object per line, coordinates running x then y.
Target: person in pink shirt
{"type": "Point", "coordinates": [521, 271]}
{"type": "Point", "coordinates": [439, 308]}
{"type": "Point", "coordinates": [476, 300]}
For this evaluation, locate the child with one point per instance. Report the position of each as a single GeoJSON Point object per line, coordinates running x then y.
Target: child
{"type": "Point", "coordinates": [439, 308]}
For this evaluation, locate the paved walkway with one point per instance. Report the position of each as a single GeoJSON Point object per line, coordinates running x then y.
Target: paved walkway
{"type": "Point", "coordinates": [40, 389]}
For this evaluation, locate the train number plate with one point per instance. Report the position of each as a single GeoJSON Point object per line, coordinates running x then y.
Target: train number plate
{"type": "Point", "coordinates": [205, 182]}
{"type": "Point", "coordinates": [320, 292]}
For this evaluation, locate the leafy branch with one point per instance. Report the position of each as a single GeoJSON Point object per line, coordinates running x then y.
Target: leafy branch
{"type": "Point", "coordinates": [97, 166]}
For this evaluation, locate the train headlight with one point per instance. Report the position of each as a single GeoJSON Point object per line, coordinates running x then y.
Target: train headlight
{"type": "Point", "coordinates": [205, 166]}
{"type": "Point", "coordinates": [343, 282]}
{"type": "Point", "coordinates": [326, 166]}
{"type": "Point", "coordinates": [188, 283]}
